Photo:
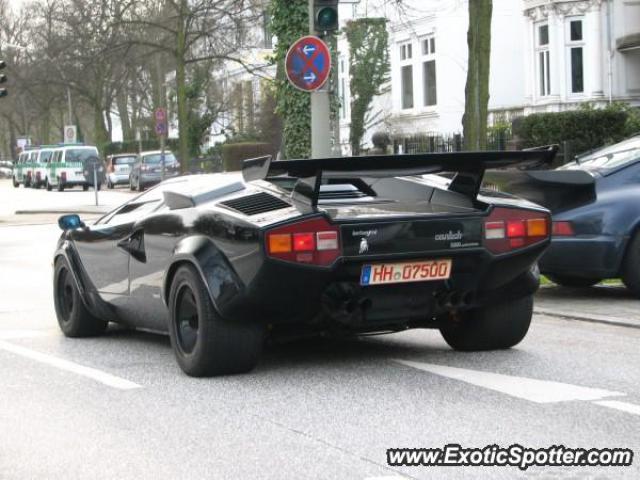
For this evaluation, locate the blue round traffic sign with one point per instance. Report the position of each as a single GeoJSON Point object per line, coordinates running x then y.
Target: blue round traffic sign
{"type": "Point", "coordinates": [308, 63]}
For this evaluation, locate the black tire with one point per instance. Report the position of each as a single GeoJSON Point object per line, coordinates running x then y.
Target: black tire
{"type": "Point", "coordinates": [85, 188]}
{"type": "Point", "coordinates": [631, 266]}
{"type": "Point", "coordinates": [574, 282]}
{"type": "Point", "coordinates": [73, 317]}
{"type": "Point", "coordinates": [205, 344]}
{"type": "Point", "coordinates": [490, 328]}
{"type": "Point", "coordinates": [140, 185]}
{"type": "Point", "coordinates": [36, 185]}
{"type": "Point", "coordinates": [109, 184]}
{"type": "Point", "coordinates": [60, 185]}
{"type": "Point", "coordinates": [16, 184]}
{"type": "Point", "coordinates": [47, 184]}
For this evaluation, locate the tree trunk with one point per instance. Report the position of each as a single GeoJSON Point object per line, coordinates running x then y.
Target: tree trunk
{"type": "Point", "coordinates": [181, 93]}
{"type": "Point", "coordinates": [474, 120]}
{"type": "Point", "coordinates": [100, 133]}
{"type": "Point", "coordinates": [123, 111]}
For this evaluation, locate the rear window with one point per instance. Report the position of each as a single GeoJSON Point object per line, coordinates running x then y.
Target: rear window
{"type": "Point", "coordinates": [80, 154]}
{"type": "Point", "coordinates": [124, 160]}
{"type": "Point", "coordinates": [155, 159]}
{"type": "Point", "coordinates": [608, 159]}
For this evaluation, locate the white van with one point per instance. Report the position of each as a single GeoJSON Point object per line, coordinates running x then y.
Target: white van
{"type": "Point", "coordinates": [40, 167]}
{"type": "Point", "coordinates": [23, 171]}
{"type": "Point", "coordinates": [72, 165]}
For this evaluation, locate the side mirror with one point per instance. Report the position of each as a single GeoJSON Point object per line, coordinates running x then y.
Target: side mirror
{"type": "Point", "coordinates": [70, 222]}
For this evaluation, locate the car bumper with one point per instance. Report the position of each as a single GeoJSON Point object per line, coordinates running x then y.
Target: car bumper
{"type": "Point", "coordinates": [593, 257]}
{"type": "Point", "coordinates": [151, 178]}
{"type": "Point", "coordinates": [117, 178]}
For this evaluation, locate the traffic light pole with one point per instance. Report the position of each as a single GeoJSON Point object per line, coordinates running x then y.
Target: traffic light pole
{"type": "Point", "coordinates": [320, 111]}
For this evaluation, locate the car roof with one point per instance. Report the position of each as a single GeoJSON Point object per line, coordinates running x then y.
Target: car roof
{"type": "Point", "coordinates": [155, 152]}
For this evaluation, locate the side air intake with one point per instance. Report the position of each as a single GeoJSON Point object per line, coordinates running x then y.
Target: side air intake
{"type": "Point", "coordinates": [256, 203]}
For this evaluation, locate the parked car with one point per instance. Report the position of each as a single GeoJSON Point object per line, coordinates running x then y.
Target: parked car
{"type": "Point", "coordinates": [595, 202]}
{"type": "Point", "coordinates": [147, 169]}
{"type": "Point", "coordinates": [6, 169]}
{"type": "Point", "coordinates": [73, 165]}
{"type": "Point", "coordinates": [337, 246]}
{"type": "Point", "coordinates": [119, 168]}
{"type": "Point", "coordinates": [23, 169]}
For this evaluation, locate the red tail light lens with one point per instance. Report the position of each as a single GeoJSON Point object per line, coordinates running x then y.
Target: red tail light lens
{"type": "Point", "coordinates": [314, 242]}
{"type": "Point", "coordinates": [507, 229]}
{"type": "Point", "coordinates": [563, 229]}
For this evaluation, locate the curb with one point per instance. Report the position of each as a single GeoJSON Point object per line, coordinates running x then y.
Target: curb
{"type": "Point", "coordinates": [619, 322]}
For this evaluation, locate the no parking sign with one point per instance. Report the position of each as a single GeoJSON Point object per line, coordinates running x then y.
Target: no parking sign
{"type": "Point", "coordinates": [308, 63]}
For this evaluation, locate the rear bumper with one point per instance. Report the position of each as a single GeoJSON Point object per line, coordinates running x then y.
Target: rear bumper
{"type": "Point", "coordinates": [594, 257]}
{"type": "Point", "coordinates": [117, 178]}
{"type": "Point", "coordinates": [151, 178]}
{"type": "Point", "coordinates": [308, 297]}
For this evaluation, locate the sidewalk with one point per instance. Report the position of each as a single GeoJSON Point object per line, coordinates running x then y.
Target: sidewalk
{"type": "Point", "coordinates": [610, 304]}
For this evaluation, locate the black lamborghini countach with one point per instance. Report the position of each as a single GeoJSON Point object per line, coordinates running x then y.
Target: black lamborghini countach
{"type": "Point", "coordinates": [337, 246]}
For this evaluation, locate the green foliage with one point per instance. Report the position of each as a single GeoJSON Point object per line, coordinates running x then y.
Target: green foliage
{"type": "Point", "coordinates": [586, 128]}
{"type": "Point", "coordinates": [290, 21]}
{"type": "Point", "coordinates": [200, 115]}
{"type": "Point", "coordinates": [368, 68]}
{"type": "Point", "coordinates": [234, 153]}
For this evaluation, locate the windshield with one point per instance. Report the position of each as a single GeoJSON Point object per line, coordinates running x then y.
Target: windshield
{"type": "Point", "coordinates": [608, 159]}
{"type": "Point", "coordinates": [80, 154]}
{"type": "Point", "coordinates": [155, 159]}
{"type": "Point", "coordinates": [124, 160]}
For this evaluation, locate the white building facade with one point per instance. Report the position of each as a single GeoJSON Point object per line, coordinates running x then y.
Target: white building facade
{"type": "Point", "coordinates": [546, 55]}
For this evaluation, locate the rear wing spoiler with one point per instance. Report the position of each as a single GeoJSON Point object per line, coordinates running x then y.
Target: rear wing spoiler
{"type": "Point", "coordinates": [469, 168]}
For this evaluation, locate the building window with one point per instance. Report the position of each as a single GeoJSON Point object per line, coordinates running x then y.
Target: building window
{"type": "Point", "coordinates": [407, 86]}
{"type": "Point", "coordinates": [429, 89]}
{"type": "Point", "coordinates": [544, 63]}
{"type": "Point", "coordinates": [406, 75]}
{"type": "Point", "coordinates": [575, 47]}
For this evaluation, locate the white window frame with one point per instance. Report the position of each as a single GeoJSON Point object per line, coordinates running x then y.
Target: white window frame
{"type": "Point", "coordinates": [428, 49]}
{"type": "Point", "coordinates": [542, 61]}
{"type": "Point", "coordinates": [406, 59]}
{"type": "Point", "coordinates": [569, 46]}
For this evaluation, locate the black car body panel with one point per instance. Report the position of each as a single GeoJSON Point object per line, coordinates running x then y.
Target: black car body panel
{"type": "Point", "coordinates": [125, 262]}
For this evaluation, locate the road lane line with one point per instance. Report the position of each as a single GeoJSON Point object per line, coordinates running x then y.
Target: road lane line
{"type": "Point", "coordinates": [94, 374]}
{"type": "Point", "coordinates": [622, 406]}
{"type": "Point", "coordinates": [539, 391]}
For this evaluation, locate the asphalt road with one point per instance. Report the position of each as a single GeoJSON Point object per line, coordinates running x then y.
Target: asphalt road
{"type": "Point", "coordinates": [118, 406]}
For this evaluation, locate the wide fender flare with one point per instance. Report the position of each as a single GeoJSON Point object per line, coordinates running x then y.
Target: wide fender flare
{"type": "Point", "coordinates": [223, 283]}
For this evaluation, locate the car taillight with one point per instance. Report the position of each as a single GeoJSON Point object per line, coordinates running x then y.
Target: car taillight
{"type": "Point", "coordinates": [562, 229]}
{"type": "Point", "coordinates": [509, 228]}
{"type": "Point", "coordinates": [314, 242]}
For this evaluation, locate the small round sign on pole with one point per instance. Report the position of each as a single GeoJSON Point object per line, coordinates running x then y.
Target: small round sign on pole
{"type": "Point", "coordinates": [308, 63]}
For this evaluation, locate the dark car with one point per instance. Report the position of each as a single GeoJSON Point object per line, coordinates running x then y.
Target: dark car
{"type": "Point", "coordinates": [338, 246]}
{"type": "Point", "coordinates": [148, 168]}
{"type": "Point", "coordinates": [595, 201]}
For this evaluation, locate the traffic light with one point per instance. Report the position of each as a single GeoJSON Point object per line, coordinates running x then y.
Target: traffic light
{"type": "Point", "coordinates": [3, 79]}
{"type": "Point", "coordinates": [325, 15]}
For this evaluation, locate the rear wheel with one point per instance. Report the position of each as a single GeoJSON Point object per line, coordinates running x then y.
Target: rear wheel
{"type": "Point", "coordinates": [60, 185]}
{"type": "Point", "coordinates": [631, 266]}
{"type": "Point", "coordinates": [205, 344]}
{"type": "Point", "coordinates": [490, 328]}
{"type": "Point", "coordinates": [16, 184]}
{"type": "Point", "coordinates": [109, 184]}
{"type": "Point", "coordinates": [570, 281]}
{"type": "Point", "coordinates": [73, 317]}
{"type": "Point", "coordinates": [85, 187]}
{"type": "Point", "coordinates": [47, 184]}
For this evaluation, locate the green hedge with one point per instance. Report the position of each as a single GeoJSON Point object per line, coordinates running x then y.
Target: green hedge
{"type": "Point", "coordinates": [584, 129]}
{"type": "Point", "coordinates": [234, 153]}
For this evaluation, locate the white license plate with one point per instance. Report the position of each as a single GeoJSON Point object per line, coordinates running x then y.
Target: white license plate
{"type": "Point", "coordinates": [405, 272]}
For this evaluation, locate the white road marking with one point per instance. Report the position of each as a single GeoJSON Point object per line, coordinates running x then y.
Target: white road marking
{"type": "Point", "coordinates": [539, 391]}
{"type": "Point", "coordinates": [97, 375]}
{"type": "Point", "coordinates": [622, 406]}
{"type": "Point", "coordinates": [12, 334]}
